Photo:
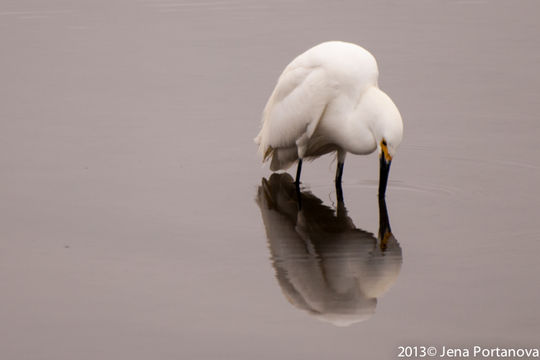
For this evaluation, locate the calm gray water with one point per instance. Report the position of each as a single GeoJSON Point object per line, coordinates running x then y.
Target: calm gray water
{"type": "Point", "coordinates": [133, 205]}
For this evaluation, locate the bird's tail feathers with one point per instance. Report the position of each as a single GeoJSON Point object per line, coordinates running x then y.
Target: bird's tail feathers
{"type": "Point", "coordinates": [265, 150]}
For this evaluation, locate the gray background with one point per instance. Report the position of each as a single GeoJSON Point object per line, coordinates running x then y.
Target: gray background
{"type": "Point", "coordinates": [129, 228]}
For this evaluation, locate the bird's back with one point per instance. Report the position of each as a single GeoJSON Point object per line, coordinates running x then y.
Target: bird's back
{"type": "Point", "coordinates": [347, 65]}
{"type": "Point", "coordinates": [305, 89]}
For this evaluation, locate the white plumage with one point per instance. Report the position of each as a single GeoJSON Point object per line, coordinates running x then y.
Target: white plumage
{"type": "Point", "coordinates": [327, 99]}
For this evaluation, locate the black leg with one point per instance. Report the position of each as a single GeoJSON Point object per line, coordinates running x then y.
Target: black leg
{"type": "Point", "coordinates": [297, 183]}
{"type": "Point", "coordinates": [339, 193]}
{"type": "Point", "coordinates": [339, 172]}
{"type": "Point", "coordinates": [339, 175]}
{"type": "Point", "coordinates": [298, 197]}
{"type": "Point", "coordinates": [298, 171]}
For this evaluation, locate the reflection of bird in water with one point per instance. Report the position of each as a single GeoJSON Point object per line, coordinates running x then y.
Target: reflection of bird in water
{"type": "Point", "coordinates": [323, 263]}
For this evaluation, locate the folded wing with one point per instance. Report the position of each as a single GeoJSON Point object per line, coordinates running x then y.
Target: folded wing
{"type": "Point", "coordinates": [294, 110]}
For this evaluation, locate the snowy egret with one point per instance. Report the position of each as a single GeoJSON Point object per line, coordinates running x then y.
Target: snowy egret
{"type": "Point", "coordinates": [328, 100]}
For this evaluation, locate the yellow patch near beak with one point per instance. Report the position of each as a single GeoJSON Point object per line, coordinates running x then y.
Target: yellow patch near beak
{"type": "Point", "coordinates": [384, 149]}
{"type": "Point", "coordinates": [384, 240]}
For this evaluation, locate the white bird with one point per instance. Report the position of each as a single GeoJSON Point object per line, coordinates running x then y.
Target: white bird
{"type": "Point", "coordinates": [328, 100]}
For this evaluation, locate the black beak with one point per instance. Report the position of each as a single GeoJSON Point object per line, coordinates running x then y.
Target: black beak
{"type": "Point", "coordinates": [383, 176]}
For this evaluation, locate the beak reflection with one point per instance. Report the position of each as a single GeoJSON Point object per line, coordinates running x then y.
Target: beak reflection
{"type": "Point", "coordinates": [324, 264]}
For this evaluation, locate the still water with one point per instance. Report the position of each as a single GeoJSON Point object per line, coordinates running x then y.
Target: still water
{"type": "Point", "coordinates": [138, 223]}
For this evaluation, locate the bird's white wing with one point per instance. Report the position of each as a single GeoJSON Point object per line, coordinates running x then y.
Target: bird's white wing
{"type": "Point", "coordinates": [295, 107]}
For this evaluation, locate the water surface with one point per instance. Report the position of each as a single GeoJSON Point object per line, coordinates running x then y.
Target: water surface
{"type": "Point", "coordinates": [130, 225]}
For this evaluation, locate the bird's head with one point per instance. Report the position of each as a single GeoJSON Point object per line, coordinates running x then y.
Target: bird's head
{"type": "Point", "coordinates": [389, 137]}
{"type": "Point", "coordinates": [385, 159]}
{"type": "Point", "coordinates": [386, 151]}
{"type": "Point", "coordinates": [385, 121]}
{"type": "Point", "coordinates": [388, 132]}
